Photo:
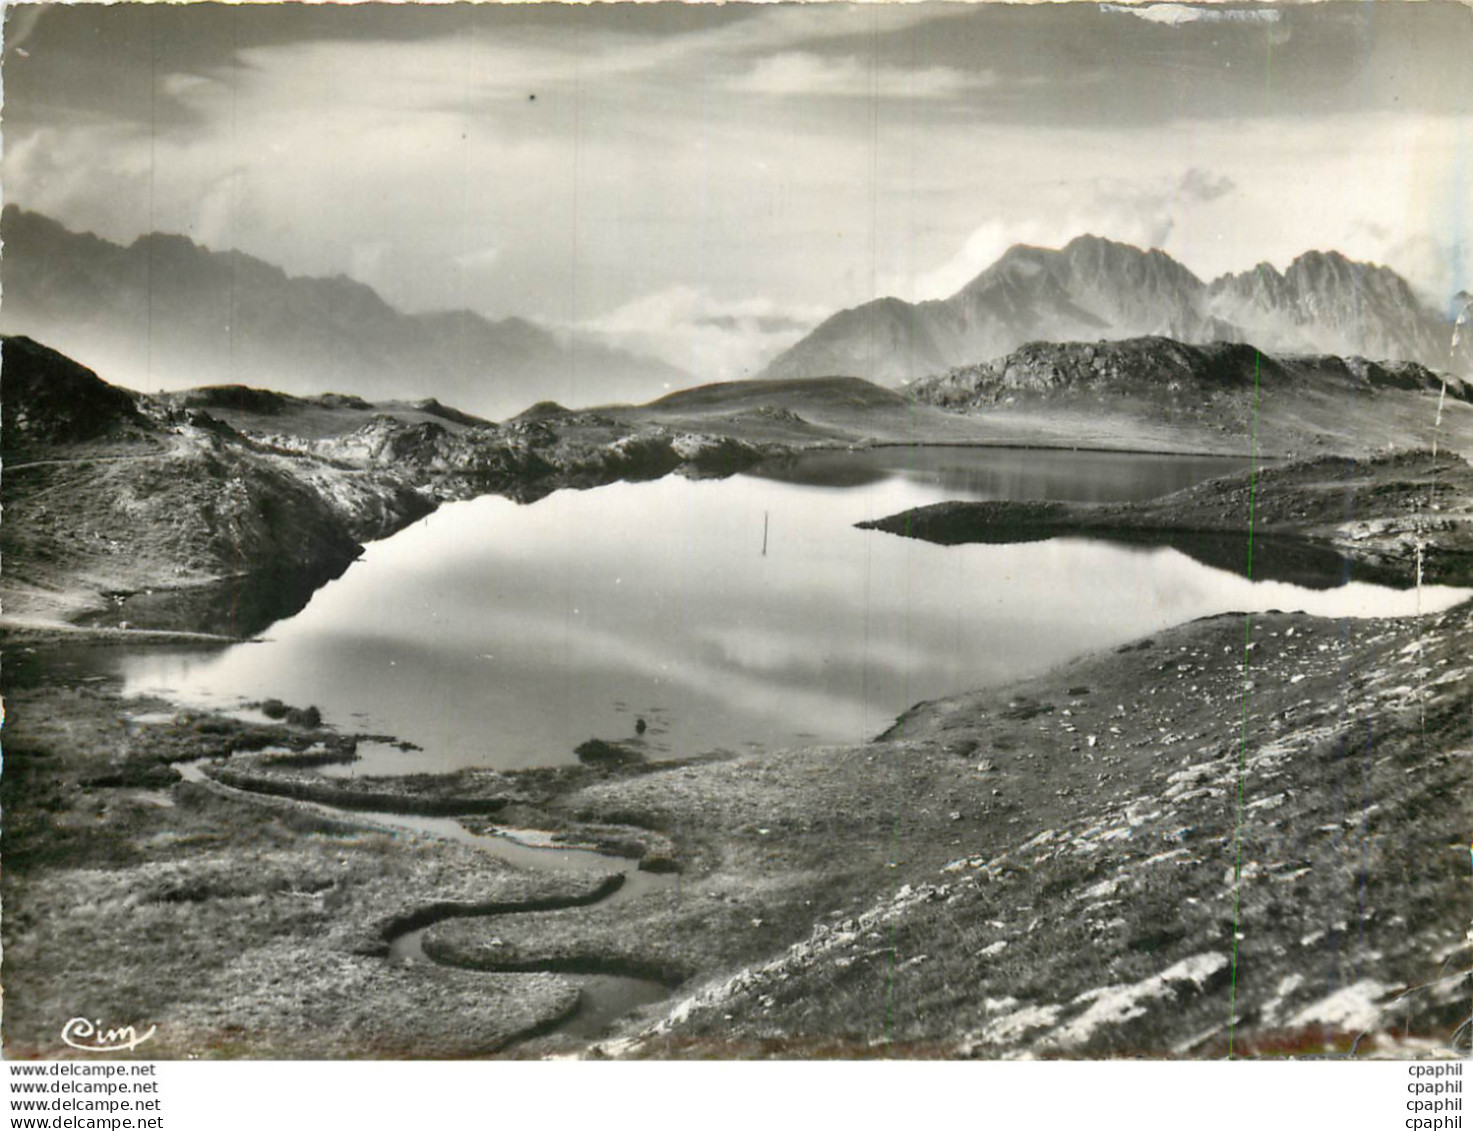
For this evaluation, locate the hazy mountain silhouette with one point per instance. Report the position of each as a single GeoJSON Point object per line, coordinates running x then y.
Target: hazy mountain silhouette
{"type": "Point", "coordinates": [166, 312]}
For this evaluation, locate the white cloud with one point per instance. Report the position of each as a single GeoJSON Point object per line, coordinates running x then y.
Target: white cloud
{"type": "Point", "coordinates": [1143, 214]}
{"type": "Point", "coordinates": [1437, 265]}
{"type": "Point", "coordinates": [981, 250]}
{"type": "Point", "coordinates": [798, 73]}
{"type": "Point", "coordinates": [189, 86]}
{"type": "Point", "coordinates": [480, 258]}
{"type": "Point", "coordinates": [1389, 189]}
{"type": "Point", "coordinates": [713, 339]}
{"type": "Point", "coordinates": [1382, 188]}
{"type": "Point", "coordinates": [1177, 14]}
{"type": "Point", "coordinates": [370, 261]}
{"type": "Point", "coordinates": [1204, 186]}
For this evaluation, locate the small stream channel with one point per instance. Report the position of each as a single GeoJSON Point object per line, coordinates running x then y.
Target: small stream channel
{"type": "Point", "coordinates": [602, 998]}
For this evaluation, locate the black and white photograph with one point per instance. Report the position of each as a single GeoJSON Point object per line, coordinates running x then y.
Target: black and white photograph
{"type": "Point", "coordinates": [731, 532]}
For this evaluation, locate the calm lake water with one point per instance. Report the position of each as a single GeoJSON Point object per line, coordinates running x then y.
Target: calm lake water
{"type": "Point", "coordinates": [494, 634]}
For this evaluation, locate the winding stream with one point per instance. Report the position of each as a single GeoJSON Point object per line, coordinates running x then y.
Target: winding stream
{"type": "Point", "coordinates": [602, 998]}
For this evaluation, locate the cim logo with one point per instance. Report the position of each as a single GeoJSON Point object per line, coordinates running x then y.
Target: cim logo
{"type": "Point", "coordinates": [90, 1036]}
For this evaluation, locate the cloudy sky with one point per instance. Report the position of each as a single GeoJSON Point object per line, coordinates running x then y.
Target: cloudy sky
{"type": "Point", "coordinates": [703, 181]}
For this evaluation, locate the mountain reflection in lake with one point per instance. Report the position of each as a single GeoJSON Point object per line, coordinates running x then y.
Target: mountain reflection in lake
{"type": "Point", "coordinates": [495, 634]}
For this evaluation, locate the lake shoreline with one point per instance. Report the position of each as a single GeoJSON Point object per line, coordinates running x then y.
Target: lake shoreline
{"type": "Point", "coordinates": [1406, 516]}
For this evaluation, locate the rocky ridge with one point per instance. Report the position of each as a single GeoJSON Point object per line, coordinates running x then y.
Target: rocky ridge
{"type": "Point", "coordinates": [225, 508]}
{"type": "Point", "coordinates": [1279, 403]}
{"type": "Point", "coordinates": [1162, 365]}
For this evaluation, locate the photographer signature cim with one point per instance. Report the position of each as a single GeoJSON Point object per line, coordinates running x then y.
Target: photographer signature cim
{"type": "Point", "coordinates": [91, 1036]}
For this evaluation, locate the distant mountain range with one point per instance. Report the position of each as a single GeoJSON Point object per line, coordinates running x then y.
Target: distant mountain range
{"type": "Point", "coordinates": [1095, 289]}
{"type": "Point", "coordinates": [165, 312]}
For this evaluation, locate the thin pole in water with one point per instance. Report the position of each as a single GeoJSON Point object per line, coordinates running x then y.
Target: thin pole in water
{"type": "Point", "coordinates": [764, 534]}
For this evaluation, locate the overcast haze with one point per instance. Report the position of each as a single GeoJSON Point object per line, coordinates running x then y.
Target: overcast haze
{"type": "Point", "coordinates": [705, 182]}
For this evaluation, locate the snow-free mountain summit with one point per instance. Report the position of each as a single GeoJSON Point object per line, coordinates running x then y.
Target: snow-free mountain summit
{"type": "Point", "coordinates": [1095, 289]}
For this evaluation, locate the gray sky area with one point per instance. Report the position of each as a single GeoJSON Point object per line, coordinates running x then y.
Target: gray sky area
{"type": "Point", "coordinates": [697, 179]}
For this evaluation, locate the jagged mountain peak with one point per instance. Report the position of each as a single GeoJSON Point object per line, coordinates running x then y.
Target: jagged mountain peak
{"type": "Point", "coordinates": [1332, 260]}
{"type": "Point", "coordinates": [1020, 255]}
{"type": "Point", "coordinates": [1098, 288]}
{"type": "Point", "coordinates": [1103, 250]}
{"type": "Point", "coordinates": [1334, 265]}
{"type": "Point", "coordinates": [168, 241]}
{"type": "Point", "coordinates": [1326, 302]}
{"type": "Point", "coordinates": [1084, 253]}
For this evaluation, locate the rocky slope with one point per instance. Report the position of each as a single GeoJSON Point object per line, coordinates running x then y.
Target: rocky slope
{"type": "Point", "coordinates": [223, 509]}
{"type": "Point", "coordinates": [49, 399]}
{"type": "Point", "coordinates": [1174, 370]}
{"type": "Point", "coordinates": [1281, 403]}
{"type": "Point", "coordinates": [166, 312]}
{"type": "Point", "coordinates": [1243, 837]}
{"type": "Point", "coordinates": [1099, 289]}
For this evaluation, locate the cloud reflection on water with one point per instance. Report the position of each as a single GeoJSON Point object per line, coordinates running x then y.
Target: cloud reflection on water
{"type": "Point", "coordinates": [498, 634]}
